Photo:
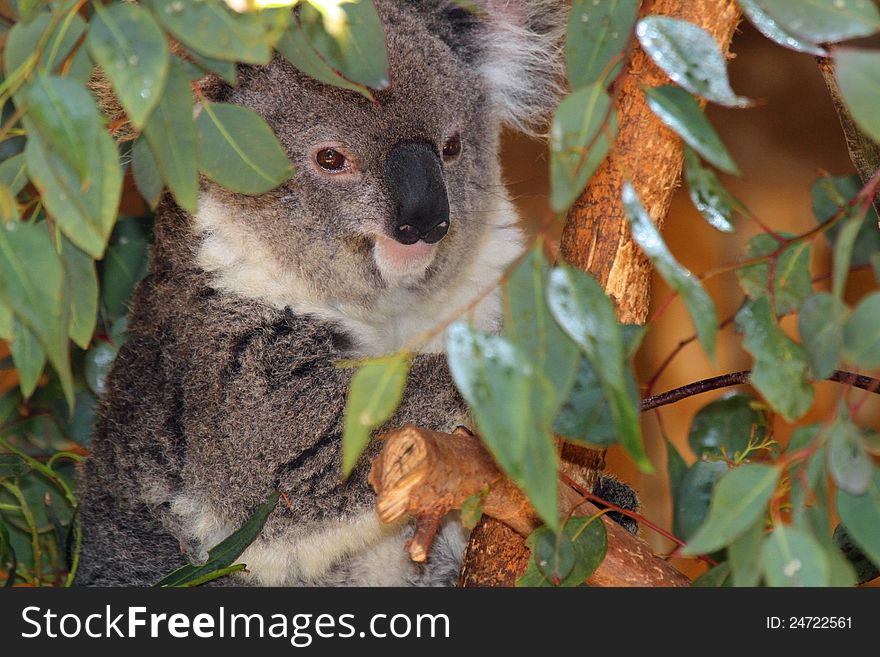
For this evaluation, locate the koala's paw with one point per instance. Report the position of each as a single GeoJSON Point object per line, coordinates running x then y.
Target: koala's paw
{"type": "Point", "coordinates": [612, 490]}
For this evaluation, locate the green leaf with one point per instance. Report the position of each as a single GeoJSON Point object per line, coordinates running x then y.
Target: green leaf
{"type": "Point", "coordinates": [861, 334]}
{"type": "Point", "coordinates": [646, 235]}
{"type": "Point", "coordinates": [825, 21]}
{"type": "Point", "coordinates": [12, 465]}
{"type": "Point", "coordinates": [201, 64]}
{"type": "Point", "coordinates": [843, 249]}
{"type": "Point", "coordinates": [715, 577]}
{"type": "Point", "coordinates": [771, 29]}
{"type": "Point", "coordinates": [681, 112]}
{"type": "Point", "coordinates": [590, 540]}
{"type": "Point", "coordinates": [714, 203]}
{"type": "Point", "coordinates": [865, 571]}
{"type": "Point", "coordinates": [727, 425]}
{"type": "Point", "coordinates": [830, 195]}
{"type": "Point", "coordinates": [690, 57]}
{"type": "Point", "coordinates": [225, 552]}
{"type": "Point", "coordinates": [85, 212]}
{"type": "Point", "coordinates": [375, 392]}
{"type": "Point", "coordinates": [146, 173]}
{"type": "Point", "coordinates": [597, 34]}
{"type": "Point", "coordinates": [580, 138]}
{"type": "Point", "coordinates": [98, 361]}
{"type": "Point", "coordinates": [171, 134]}
{"type": "Point", "coordinates": [580, 306]}
{"type": "Point", "coordinates": [13, 173]}
{"type": "Point", "coordinates": [586, 415]}
{"type": "Point", "coordinates": [676, 469]}
{"type": "Point", "coordinates": [529, 325]}
{"type": "Point", "coordinates": [740, 499]}
{"type": "Point", "coordinates": [496, 379]}
{"type": "Point", "coordinates": [21, 45]}
{"type": "Point", "coordinates": [350, 38]}
{"type": "Point", "coordinates": [124, 265]}
{"type": "Point", "coordinates": [8, 205]}
{"type": "Point", "coordinates": [848, 463]}
{"type": "Point", "coordinates": [861, 516]}
{"type": "Point", "coordinates": [239, 151]}
{"type": "Point", "coordinates": [792, 278]}
{"type": "Point", "coordinates": [82, 292]}
{"type": "Point", "coordinates": [64, 113]}
{"type": "Point", "coordinates": [128, 45]}
{"type": "Point", "coordinates": [820, 325]}
{"type": "Point", "coordinates": [209, 27]}
{"type": "Point", "coordinates": [793, 558]}
{"type": "Point", "coordinates": [780, 368]}
{"type": "Point", "coordinates": [553, 554]}
{"type": "Point", "coordinates": [32, 285]}
{"type": "Point", "coordinates": [28, 356]}
{"type": "Point", "coordinates": [294, 45]}
{"type": "Point", "coordinates": [695, 495]}
{"type": "Point", "coordinates": [744, 554]}
{"type": "Point", "coordinates": [588, 536]}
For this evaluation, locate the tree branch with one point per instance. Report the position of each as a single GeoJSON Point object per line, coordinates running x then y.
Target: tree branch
{"type": "Point", "coordinates": [426, 474]}
{"type": "Point", "coordinates": [742, 378]}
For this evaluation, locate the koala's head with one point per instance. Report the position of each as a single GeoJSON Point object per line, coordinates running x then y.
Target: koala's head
{"type": "Point", "coordinates": [395, 193]}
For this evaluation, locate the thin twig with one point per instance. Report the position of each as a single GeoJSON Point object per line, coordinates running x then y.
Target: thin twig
{"type": "Point", "coordinates": [742, 378]}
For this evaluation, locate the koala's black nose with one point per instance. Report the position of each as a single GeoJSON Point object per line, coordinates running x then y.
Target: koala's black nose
{"type": "Point", "coordinates": [414, 178]}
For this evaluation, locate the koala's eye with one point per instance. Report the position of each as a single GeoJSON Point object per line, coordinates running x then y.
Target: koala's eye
{"type": "Point", "coordinates": [452, 148]}
{"type": "Point", "coordinates": [330, 159]}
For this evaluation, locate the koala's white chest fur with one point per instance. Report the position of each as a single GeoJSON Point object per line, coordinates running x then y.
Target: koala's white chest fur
{"type": "Point", "coordinates": [240, 264]}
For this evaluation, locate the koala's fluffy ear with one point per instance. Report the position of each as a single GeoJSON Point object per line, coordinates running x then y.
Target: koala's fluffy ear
{"type": "Point", "coordinates": [521, 57]}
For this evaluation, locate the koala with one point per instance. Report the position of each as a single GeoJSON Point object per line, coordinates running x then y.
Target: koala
{"type": "Point", "coordinates": [395, 219]}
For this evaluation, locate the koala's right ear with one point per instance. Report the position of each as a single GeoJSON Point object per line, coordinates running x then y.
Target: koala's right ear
{"type": "Point", "coordinates": [518, 48]}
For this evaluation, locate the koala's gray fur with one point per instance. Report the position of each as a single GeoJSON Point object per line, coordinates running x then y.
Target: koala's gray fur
{"type": "Point", "coordinates": [228, 387]}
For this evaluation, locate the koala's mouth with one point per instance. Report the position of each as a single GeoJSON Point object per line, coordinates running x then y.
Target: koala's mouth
{"type": "Point", "coordinates": [397, 261]}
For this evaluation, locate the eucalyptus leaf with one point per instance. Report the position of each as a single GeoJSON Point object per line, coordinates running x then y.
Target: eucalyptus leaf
{"type": "Point", "coordinates": [832, 194]}
{"type": "Point", "coordinates": [28, 356]}
{"type": "Point", "coordinates": [597, 34]}
{"type": "Point", "coordinates": [496, 380]}
{"type": "Point", "coordinates": [224, 553]}
{"type": "Point", "coordinates": [646, 235]}
{"type": "Point", "coordinates": [793, 558]}
{"type": "Point", "coordinates": [744, 554]}
{"type": "Point", "coordinates": [690, 57]}
{"type": "Point", "coordinates": [739, 500]}
{"type": "Point", "coordinates": [239, 151]}
{"type": "Point", "coordinates": [780, 369]}
{"type": "Point", "coordinates": [579, 140]}
{"type": "Point", "coordinates": [209, 27]}
{"type": "Point", "coordinates": [32, 285]}
{"type": "Point", "coordinates": [858, 76]}
{"type": "Point", "coordinates": [350, 38]}
{"type": "Point", "coordinates": [82, 292]}
{"type": "Point", "coordinates": [825, 21]}
{"type": "Point", "coordinates": [146, 173]}
{"type": "Point", "coordinates": [25, 36]}
{"type": "Point", "coordinates": [171, 134]}
{"type": "Point", "coordinates": [583, 310]}
{"type": "Point", "coordinates": [694, 495]}
{"type": "Point", "coordinates": [860, 514]}
{"type": "Point", "coordinates": [128, 45]}
{"type": "Point", "coordinates": [861, 334]}
{"type": "Point", "coordinates": [375, 392]}
{"type": "Point", "coordinates": [727, 425]}
{"type": "Point", "coordinates": [848, 463]}
{"type": "Point", "coordinates": [792, 281]}
{"type": "Point", "coordinates": [770, 28]}
{"type": "Point", "coordinates": [681, 112]}
{"type": "Point", "coordinates": [820, 325]}
{"type": "Point", "coordinates": [708, 195]}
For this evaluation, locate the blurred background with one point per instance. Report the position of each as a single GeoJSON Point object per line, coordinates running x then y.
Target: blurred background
{"type": "Point", "coordinates": [791, 138]}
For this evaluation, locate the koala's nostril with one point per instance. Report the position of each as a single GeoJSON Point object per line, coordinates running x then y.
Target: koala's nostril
{"type": "Point", "coordinates": [437, 233]}
{"type": "Point", "coordinates": [406, 234]}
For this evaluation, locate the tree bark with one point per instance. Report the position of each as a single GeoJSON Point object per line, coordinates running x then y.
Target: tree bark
{"type": "Point", "coordinates": [596, 239]}
{"type": "Point", "coordinates": [426, 474]}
